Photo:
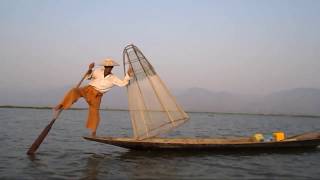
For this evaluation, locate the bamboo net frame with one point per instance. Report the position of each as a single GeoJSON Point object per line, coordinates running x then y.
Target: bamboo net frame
{"type": "Point", "coordinates": [153, 110]}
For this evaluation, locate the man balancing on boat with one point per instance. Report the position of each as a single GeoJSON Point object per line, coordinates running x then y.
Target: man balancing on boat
{"type": "Point", "coordinates": [102, 80]}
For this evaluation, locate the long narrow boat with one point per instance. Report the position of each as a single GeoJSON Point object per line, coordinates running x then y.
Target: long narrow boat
{"type": "Point", "coordinates": [306, 140]}
{"type": "Point", "coordinates": [154, 111]}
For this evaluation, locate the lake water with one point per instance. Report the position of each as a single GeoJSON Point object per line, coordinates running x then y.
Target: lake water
{"type": "Point", "coordinates": [65, 155]}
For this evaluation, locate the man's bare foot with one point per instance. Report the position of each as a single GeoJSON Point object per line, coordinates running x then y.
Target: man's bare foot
{"type": "Point", "coordinates": [56, 111]}
{"type": "Point", "coordinates": [94, 134]}
{"type": "Point", "coordinates": [58, 107]}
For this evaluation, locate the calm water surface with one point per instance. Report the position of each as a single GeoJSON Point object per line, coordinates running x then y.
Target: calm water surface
{"type": "Point", "coordinates": [65, 155]}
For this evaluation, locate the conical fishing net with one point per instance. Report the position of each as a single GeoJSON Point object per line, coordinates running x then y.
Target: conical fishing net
{"type": "Point", "coordinates": [153, 110]}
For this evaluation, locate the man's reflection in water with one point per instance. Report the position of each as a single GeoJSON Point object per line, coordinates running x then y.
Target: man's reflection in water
{"type": "Point", "coordinates": [135, 164]}
{"type": "Point", "coordinates": [93, 166]}
{"type": "Point", "coordinates": [149, 164]}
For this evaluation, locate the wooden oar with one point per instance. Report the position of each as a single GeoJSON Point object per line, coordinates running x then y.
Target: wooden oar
{"type": "Point", "coordinates": [33, 148]}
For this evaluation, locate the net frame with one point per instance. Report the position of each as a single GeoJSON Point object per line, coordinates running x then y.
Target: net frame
{"type": "Point", "coordinates": [142, 116]}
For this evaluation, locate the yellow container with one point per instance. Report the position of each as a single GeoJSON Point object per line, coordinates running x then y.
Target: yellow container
{"type": "Point", "coordinates": [258, 137]}
{"type": "Point", "coordinates": [278, 136]}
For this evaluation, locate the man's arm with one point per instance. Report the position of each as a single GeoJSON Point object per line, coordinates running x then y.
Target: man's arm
{"type": "Point", "coordinates": [119, 82]}
{"type": "Point", "coordinates": [125, 81]}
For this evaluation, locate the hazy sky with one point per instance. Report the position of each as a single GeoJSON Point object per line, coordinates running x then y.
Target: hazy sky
{"type": "Point", "coordinates": [237, 46]}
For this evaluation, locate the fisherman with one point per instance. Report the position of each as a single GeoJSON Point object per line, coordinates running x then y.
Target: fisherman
{"type": "Point", "coordinates": [102, 80]}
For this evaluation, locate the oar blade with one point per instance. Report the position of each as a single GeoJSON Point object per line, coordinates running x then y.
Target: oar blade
{"type": "Point", "coordinates": [40, 138]}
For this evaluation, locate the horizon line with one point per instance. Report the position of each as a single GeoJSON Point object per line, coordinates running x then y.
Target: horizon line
{"type": "Point", "coordinates": [120, 109]}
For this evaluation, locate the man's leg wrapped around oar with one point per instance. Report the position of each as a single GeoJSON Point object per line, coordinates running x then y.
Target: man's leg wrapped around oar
{"type": "Point", "coordinates": [92, 97]}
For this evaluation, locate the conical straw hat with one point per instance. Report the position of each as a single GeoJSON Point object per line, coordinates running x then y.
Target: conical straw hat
{"type": "Point", "coordinates": [108, 62]}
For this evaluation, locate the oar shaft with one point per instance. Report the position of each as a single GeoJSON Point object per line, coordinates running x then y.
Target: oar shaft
{"type": "Point", "coordinates": [78, 85]}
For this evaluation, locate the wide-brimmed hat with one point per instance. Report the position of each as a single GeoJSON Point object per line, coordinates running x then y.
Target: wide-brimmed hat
{"type": "Point", "coordinates": [108, 62]}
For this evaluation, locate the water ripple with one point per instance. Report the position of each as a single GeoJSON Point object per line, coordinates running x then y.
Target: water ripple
{"type": "Point", "coordinates": [65, 155]}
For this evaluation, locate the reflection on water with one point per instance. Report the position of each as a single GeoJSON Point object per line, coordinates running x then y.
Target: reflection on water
{"type": "Point", "coordinates": [172, 164]}
{"type": "Point", "coordinates": [94, 164]}
{"type": "Point", "coordinates": [65, 155]}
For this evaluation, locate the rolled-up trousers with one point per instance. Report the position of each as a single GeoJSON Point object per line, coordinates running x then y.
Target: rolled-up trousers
{"type": "Point", "coordinates": [93, 98]}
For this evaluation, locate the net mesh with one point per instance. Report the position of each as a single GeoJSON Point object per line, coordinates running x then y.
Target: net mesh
{"type": "Point", "coordinates": [153, 110]}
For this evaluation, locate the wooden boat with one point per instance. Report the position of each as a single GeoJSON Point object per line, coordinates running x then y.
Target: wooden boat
{"type": "Point", "coordinates": [306, 140]}
{"type": "Point", "coordinates": [154, 111]}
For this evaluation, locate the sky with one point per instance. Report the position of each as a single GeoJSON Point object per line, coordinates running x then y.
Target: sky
{"type": "Point", "coordinates": [244, 47]}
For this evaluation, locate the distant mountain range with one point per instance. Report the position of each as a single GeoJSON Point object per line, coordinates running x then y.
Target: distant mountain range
{"type": "Point", "coordinates": [300, 101]}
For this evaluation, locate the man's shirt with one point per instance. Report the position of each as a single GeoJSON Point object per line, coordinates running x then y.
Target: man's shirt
{"type": "Point", "coordinates": [104, 84]}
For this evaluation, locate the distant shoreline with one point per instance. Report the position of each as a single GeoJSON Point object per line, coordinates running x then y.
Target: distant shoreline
{"type": "Point", "coordinates": [48, 107]}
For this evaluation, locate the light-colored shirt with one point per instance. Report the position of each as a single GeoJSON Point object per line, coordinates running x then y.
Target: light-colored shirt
{"type": "Point", "coordinates": [104, 84]}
